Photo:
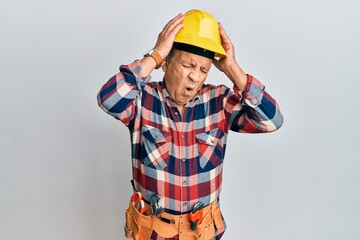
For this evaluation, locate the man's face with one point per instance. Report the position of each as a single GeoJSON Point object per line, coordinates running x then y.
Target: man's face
{"type": "Point", "coordinates": [185, 74]}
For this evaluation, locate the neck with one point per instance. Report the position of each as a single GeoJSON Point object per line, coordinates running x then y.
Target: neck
{"type": "Point", "coordinates": [180, 108]}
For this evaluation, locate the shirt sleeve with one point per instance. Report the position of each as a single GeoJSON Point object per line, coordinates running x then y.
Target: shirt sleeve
{"type": "Point", "coordinates": [121, 94]}
{"type": "Point", "coordinates": [253, 110]}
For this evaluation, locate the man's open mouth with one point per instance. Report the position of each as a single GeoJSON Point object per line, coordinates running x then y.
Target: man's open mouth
{"type": "Point", "coordinates": [189, 87]}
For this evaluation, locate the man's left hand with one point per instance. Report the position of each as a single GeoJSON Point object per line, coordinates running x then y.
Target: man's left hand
{"type": "Point", "coordinates": [225, 62]}
{"type": "Point", "coordinates": [228, 64]}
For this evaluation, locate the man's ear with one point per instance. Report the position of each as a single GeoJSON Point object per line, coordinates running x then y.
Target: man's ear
{"type": "Point", "coordinates": [164, 65]}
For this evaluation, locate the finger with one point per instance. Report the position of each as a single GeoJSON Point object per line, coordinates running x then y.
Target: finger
{"type": "Point", "coordinates": [178, 18]}
{"type": "Point", "coordinates": [172, 20]}
{"type": "Point", "coordinates": [223, 34]}
{"type": "Point", "coordinates": [177, 28]}
{"type": "Point", "coordinates": [176, 25]}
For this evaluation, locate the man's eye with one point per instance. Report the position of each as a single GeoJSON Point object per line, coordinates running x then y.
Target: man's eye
{"type": "Point", "coordinates": [204, 70]}
{"type": "Point", "coordinates": [186, 65]}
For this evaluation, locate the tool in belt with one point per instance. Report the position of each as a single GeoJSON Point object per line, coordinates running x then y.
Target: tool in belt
{"type": "Point", "coordinates": [196, 215]}
{"type": "Point", "coordinates": [157, 209]}
{"type": "Point", "coordinates": [138, 202]}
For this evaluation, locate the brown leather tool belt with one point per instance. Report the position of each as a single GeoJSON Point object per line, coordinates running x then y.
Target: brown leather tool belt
{"type": "Point", "coordinates": [140, 226]}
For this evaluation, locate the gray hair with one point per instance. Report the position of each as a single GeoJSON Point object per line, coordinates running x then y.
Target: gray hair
{"type": "Point", "coordinates": [170, 55]}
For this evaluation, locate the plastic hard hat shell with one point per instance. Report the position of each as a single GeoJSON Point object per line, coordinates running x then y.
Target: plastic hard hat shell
{"type": "Point", "coordinates": [201, 30]}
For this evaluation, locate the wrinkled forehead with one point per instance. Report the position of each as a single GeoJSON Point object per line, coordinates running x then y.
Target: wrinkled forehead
{"type": "Point", "coordinates": [192, 58]}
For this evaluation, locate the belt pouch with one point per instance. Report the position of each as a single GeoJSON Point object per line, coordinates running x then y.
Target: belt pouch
{"type": "Point", "coordinates": [137, 226]}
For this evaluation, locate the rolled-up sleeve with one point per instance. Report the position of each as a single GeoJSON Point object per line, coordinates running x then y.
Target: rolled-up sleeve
{"type": "Point", "coordinates": [120, 94]}
{"type": "Point", "coordinates": [256, 111]}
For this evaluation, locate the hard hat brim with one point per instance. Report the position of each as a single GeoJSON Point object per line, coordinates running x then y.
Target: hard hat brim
{"type": "Point", "coordinates": [205, 44]}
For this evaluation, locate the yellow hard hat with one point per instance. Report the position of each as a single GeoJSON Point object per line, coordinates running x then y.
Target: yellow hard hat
{"type": "Point", "coordinates": [201, 30]}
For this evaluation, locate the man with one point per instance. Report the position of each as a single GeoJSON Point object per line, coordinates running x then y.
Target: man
{"type": "Point", "coordinates": [179, 127]}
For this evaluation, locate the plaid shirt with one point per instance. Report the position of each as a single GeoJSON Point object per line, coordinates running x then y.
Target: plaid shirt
{"type": "Point", "coordinates": [179, 156]}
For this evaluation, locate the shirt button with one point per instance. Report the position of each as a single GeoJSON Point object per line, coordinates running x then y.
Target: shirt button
{"type": "Point", "coordinates": [183, 136]}
{"type": "Point", "coordinates": [184, 204]}
{"type": "Point", "coordinates": [184, 182]}
{"type": "Point", "coordinates": [183, 159]}
{"type": "Point", "coordinates": [176, 113]}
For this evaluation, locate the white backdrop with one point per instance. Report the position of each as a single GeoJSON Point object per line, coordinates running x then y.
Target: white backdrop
{"type": "Point", "coordinates": [65, 165]}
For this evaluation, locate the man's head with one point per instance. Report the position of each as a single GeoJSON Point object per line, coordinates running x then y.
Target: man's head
{"type": "Point", "coordinates": [187, 65]}
{"type": "Point", "coordinates": [186, 69]}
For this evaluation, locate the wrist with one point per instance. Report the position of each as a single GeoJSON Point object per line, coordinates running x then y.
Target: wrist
{"type": "Point", "coordinates": [156, 56]}
{"type": "Point", "coordinates": [236, 75]}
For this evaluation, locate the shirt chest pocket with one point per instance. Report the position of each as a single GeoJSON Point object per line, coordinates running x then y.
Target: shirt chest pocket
{"type": "Point", "coordinates": [210, 146]}
{"type": "Point", "coordinates": [155, 147]}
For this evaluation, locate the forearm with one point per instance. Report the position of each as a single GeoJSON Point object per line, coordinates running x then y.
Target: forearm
{"type": "Point", "coordinates": [255, 111]}
{"type": "Point", "coordinates": [262, 111]}
{"type": "Point", "coordinates": [236, 75]}
{"type": "Point", "coordinates": [117, 96]}
{"type": "Point", "coordinates": [263, 117]}
{"type": "Point", "coordinates": [148, 64]}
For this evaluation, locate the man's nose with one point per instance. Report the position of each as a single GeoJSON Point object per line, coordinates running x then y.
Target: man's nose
{"type": "Point", "coordinates": [195, 76]}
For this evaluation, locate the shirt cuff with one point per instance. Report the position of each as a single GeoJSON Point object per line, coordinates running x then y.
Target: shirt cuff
{"type": "Point", "coordinates": [253, 91]}
{"type": "Point", "coordinates": [136, 70]}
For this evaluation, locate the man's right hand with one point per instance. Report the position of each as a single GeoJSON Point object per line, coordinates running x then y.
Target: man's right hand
{"type": "Point", "coordinates": [164, 43]}
{"type": "Point", "coordinates": [167, 35]}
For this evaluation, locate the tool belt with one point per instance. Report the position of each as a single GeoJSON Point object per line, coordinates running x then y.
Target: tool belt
{"type": "Point", "coordinates": [140, 226]}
